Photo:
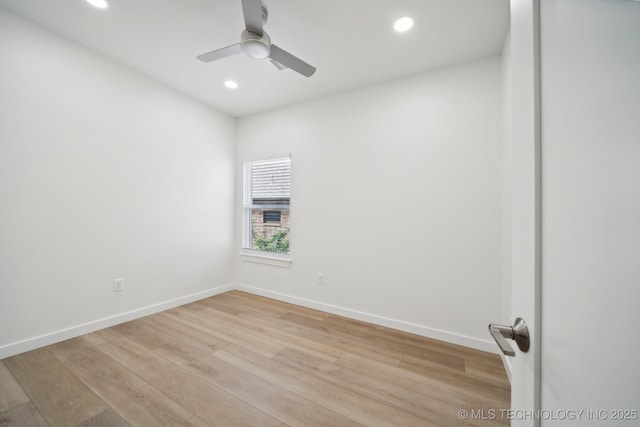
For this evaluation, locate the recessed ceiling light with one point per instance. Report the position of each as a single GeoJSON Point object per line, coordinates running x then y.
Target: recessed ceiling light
{"type": "Point", "coordinates": [100, 4]}
{"type": "Point", "coordinates": [403, 24]}
{"type": "Point", "coordinates": [231, 84]}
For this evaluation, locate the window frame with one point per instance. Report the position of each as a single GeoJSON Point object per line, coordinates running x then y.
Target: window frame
{"type": "Point", "coordinates": [247, 252]}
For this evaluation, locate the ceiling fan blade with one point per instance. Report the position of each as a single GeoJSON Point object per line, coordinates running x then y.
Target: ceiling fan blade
{"type": "Point", "coordinates": [252, 10]}
{"type": "Point", "coordinates": [278, 65]}
{"type": "Point", "coordinates": [220, 53]}
{"type": "Point", "coordinates": [286, 59]}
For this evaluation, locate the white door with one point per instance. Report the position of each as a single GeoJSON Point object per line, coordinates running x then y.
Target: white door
{"type": "Point", "coordinates": [590, 57]}
{"type": "Point", "coordinates": [576, 210]}
{"type": "Point", "coordinates": [525, 174]}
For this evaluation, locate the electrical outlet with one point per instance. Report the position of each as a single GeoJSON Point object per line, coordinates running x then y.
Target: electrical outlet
{"type": "Point", "coordinates": [320, 280]}
{"type": "Point", "coordinates": [117, 285]}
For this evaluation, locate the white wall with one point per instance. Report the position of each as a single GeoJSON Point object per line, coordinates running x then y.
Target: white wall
{"type": "Point", "coordinates": [103, 174]}
{"type": "Point", "coordinates": [591, 207]}
{"type": "Point", "coordinates": [395, 199]}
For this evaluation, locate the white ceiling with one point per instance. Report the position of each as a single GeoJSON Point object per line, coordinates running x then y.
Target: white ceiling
{"type": "Point", "coordinates": [350, 42]}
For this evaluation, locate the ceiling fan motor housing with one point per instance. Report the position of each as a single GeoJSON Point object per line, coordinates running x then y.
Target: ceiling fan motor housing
{"type": "Point", "coordinates": [254, 45]}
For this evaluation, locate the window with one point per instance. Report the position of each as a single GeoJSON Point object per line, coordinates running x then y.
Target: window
{"type": "Point", "coordinates": [267, 194]}
{"type": "Point", "coordinates": [272, 217]}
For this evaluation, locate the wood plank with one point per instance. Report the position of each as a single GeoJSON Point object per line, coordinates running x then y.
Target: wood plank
{"type": "Point", "coordinates": [11, 394]}
{"type": "Point", "coordinates": [232, 299]}
{"type": "Point", "coordinates": [400, 398]}
{"type": "Point", "coordinates": [379, 336]}
{"type": "Point", "coordinates": [61, 398]}
{"type": "Point", "coordinates": [283, 338]}
{"type": "Point", "coordinates": [93, 338]}
{"type": "Point", "coordinates": [179, 332]}
{"type": "Point", "coordinates": [131, 397]}
{"type": "Point", "coordinates": [322, 331]}
{"type": "Point", "coordinates": [102, 335]}
{"type": "Point", "coordinates": [142, 333]}
{"type": "Point", "coordinates": [249, 341]}
{"type": "Point", "coordinates": [400, 343]}
{"type": "Point", "coordinates": [493, 374]}
{"type": "Point", "coordinates": [261, 301]}
{"type": "Point", "coordinates": [323, 338]}
{"type": "Point", "coordinates": [293, 365]}
{"type": "Point", "coordinates": [108, 334]}
{"type": "Point", "coordinates": [195, 422]}
{"type": "Point", "coordinates": [194, 306]}
{"type": "Point", "coordinates": [107, 418]}
{"type": "Point", "coordinates": [468, 382]}
{"type": "Point", "coordinates": [207, 402]}
{"type": "Point", "coordinates": [272, 399]}
{"type": "Point", "coordinates": [25, 415]}
{"type": "Point", "coordinates": [215, 304]}
{"type": "Point", "coordinates": [338, 399]}
{"type": "Point", "coordinates": [406, 341]}
{"type": "Point", "coordinates": [383, 341]}
{"type": "Point", "coordinates": [429, 388]}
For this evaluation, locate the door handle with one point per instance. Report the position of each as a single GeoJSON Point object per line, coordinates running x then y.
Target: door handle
{"type": "Point", "coordinates": [518, 332]}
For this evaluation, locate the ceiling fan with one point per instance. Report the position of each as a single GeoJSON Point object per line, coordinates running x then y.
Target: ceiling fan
{"type": "Point", "coordinates": [256, 43]}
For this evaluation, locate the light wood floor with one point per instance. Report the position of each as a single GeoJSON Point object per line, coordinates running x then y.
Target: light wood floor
{"type": "Point", "coordinates": [237, 359]}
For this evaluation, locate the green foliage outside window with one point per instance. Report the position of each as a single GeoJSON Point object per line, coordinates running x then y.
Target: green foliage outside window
{"type": "Point", "coordinates": [278, 242]}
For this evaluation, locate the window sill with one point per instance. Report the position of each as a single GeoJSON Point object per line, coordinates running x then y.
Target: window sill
{"type": "Point", "coordinates": [275, 261]}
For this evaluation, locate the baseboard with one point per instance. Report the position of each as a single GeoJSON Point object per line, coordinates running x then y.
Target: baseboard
{"type": "Point", "coordinates": [75, 331]}
{"type": "Point", "coordinates": [451, 337]}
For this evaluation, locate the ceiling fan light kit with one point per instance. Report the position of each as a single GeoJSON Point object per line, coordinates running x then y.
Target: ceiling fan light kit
{"type": "Point", "coordinates": [255, 46]}
{"type": "Point", "coordinates": [256, 43]}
